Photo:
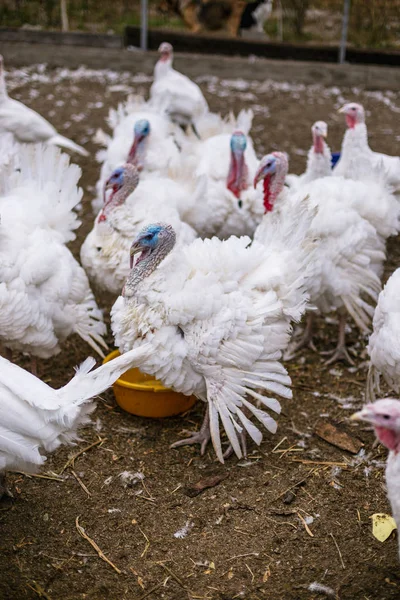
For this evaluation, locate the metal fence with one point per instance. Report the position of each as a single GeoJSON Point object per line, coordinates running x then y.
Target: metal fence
{"type": "Point", "coordinates": [371, 23]}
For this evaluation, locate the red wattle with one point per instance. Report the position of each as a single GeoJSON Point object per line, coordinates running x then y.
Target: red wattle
{"type": "Point", "coordinates": [318, 145]}
{"type": "Point", "coordinates": [389, 438]}
{"type": "Point", "coordinates": [268, 206]}
{"type": "Point", "coordinates": [351, 121]}
{"type": "Point", "coordinates": [237, 176]}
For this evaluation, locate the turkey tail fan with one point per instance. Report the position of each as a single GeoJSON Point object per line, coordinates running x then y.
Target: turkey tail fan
{"type": "Point", "coordinates": [52, 182]}
{"type": "Point", "coordinates": [63, 142]}
{"type": "Point", "coordinates": [230, 401]}
{"type": "Point", "coordinates": [88, 383]}
{"type": "Point", "coordinates": [244, 120]}
{"type": "Point", "coordinates": [89, 323]}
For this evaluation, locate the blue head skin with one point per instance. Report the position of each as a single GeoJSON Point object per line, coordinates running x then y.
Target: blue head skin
{"type": "Point", "coordinates": [238, 143]}
{"type": "Point", "coordinates": [266, 167]}
{"type": "Point", "coordinates": [114, 182]}
{"type": "Point", "coordinates": [136, 153]}
{"type": "Point", "coordinates": [151, 238]}
{"type": "Point", "coordinates": [141, 129]}
{"type": "Point", "coordinates": [238, 172]}
{"type": "Point", "coordinates": [116, 179]}
{"type": "Point", "coordinates": [122, 181]}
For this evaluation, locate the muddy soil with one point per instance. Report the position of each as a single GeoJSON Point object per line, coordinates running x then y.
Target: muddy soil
{"type": "Point", "coordinates": [295, 512]}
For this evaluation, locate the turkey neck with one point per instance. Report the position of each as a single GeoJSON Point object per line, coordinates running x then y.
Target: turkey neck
{"type": "Point", "coordinates": [318, 161]}
{"type": "Point", "coordinates": [356, 138]}
{"type": "Point", "coordinates": [145, 267]}
{"type": "Point", "coordinates": [162, 68]}
{"type": "Point", "coordinates": [3, 89]}
{"type": "Point", "coordinates": [355, 156]}
{"type": "Point", "coordinates": [137, 152]}
{"type": "Point", "coordinates": [389, 438]}
{"type": "Point", "coordinates": [273, 185]}
{"type": "Point", "coordinates": [237, 176]}
{"type": "Point", "coordinates": [116, 199]}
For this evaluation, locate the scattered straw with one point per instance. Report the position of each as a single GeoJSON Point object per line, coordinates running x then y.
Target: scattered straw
{"type": "Point", "coordinates": [101, 554]}
{"type": "Point", "coordinates": [71, 460]}
{"type": "Point", "coordinates": [278, 444]}
{"type": "Point", "coordinates": [83, 486]}
{"type": "Point", "coordinates": [37, 588]}
{"type": "Point", "coordinates": [251, 572]}
{"type": "Point", "coordinates": [338, 549]}
{"type": "Point", "coordinates": [306, 527]}
{"type": "Point", "coordinates": [243, 555]}
{"type": "Point", "coordinates": [320, 462]}
{"type": "Point", "coordinates": [153, 589]}
{"type": "Point", "coordinates": [172, 574]}
{"type": "Point", "coordinates": [147, 543]}
{"type": "Point", "coordinates": [29, 475]}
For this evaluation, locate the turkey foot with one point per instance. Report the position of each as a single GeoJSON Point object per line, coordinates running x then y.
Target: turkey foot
{"type": "Point", "coordinates": [4, 491]}
{"type": "Point", "coordinates": [305, 341]}
{"type": "Point", "coordinates": [201, 437]}
{"type": "Point", "coordinates": [340, 353]}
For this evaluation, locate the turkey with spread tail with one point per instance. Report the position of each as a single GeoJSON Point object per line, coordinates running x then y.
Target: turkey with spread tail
{"type": "Point", "coordinates": [218, 316]}
{"type": "Point", "coordinates": [26, 125]}
{"type": "Point", "coordinates": [44, 292]}
{"type": "Point", "coordinates": [36, 418]}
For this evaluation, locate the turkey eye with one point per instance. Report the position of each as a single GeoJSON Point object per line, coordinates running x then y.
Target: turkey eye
{"type": "Point", "coordinates": [386, 417]}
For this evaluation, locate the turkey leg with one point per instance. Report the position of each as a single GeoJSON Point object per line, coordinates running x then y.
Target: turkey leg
{"type": "Point", "coordinates": [306, 339]}
{"type": "Point", "coordinates": [341, 352]}
{"type": "Point", "coordinates": [201, 437]}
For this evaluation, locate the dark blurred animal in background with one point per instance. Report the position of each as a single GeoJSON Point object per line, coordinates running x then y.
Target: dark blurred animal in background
{"type": "Point", "coordinates": [207, 15]}
{"type": "Point", "coordinates": [255, 15]}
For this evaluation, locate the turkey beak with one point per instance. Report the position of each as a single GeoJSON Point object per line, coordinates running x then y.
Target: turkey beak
{"type": "Point", "coordinates": [366, 414]}
{"type": "Point", "coordinates": [342, 109]}
{"type": "Point", "coordinates": [258, 176]}
{"type": "Point", "coordinates": [135, 248]}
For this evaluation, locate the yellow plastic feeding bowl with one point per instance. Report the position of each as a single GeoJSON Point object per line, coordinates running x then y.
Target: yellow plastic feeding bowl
{"type": "Point", "coordinates": [144, 396]}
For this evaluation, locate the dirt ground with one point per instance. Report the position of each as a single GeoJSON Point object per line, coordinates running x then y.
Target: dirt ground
{"type": "Point", "coordinates": [296, 511]}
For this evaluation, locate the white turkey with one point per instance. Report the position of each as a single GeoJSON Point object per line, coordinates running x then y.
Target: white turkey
{"type": "Point", "coordinates": [26, 125]}
{"type": "Point", "coordinates": [357, 158]}
{"type": "Point", "coordinates": [318, 160]}
{"type": "Point", "coordinates": [44, 293]}
{"type": "Point", "coordinates": [348, 248]}
{"type": "Point", "coordinates": [175, 93]}
{"type": "Point", "coordinates": [35, 418]}
{"type": "Point", "coordinates": [384, 342]}
{"type": "Point", "coordinates": [8, 150]}
{"type": "Point", "coordinates": [143, 137]}
{"type": "Point", "coordinates": [132, 205]}
{"type": "Point", "coordinates": [225, 165]}
{"type": "Point", "coordinates": [218, 316]}
{"type": "Point", "coordinates": [384, 415]}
